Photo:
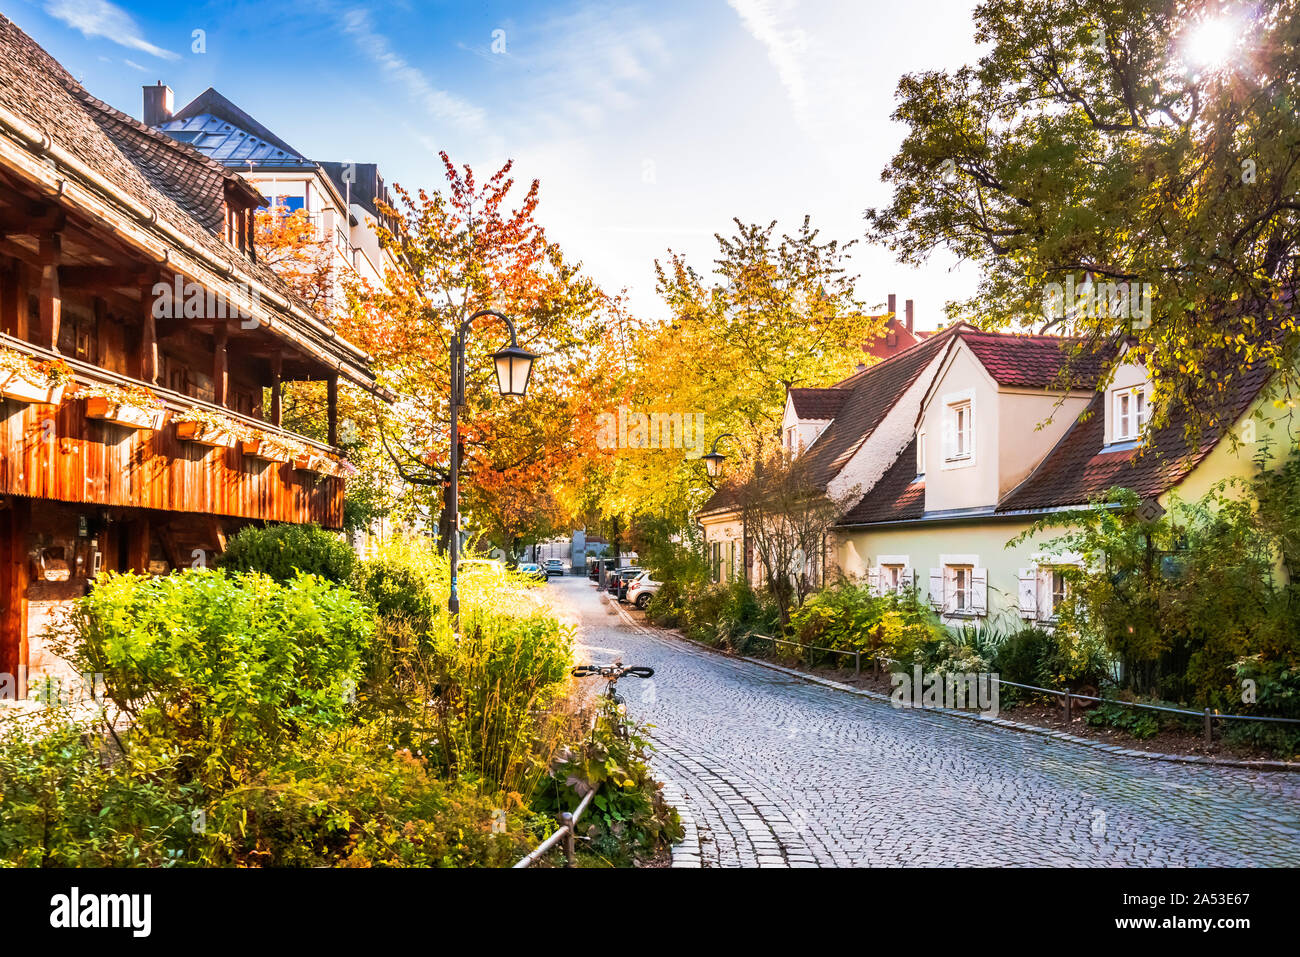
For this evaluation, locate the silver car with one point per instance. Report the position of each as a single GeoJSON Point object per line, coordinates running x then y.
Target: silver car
{"type": "Point", "coordinates": [642, 589]}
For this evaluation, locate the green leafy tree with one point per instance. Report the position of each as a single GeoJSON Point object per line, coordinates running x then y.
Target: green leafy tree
{"type": "Point", "coordinates": [1093, 141]}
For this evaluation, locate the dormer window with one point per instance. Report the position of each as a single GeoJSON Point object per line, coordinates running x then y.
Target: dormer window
{"type": "Point", "coordinates": [920, 454]}
{"type": "Point", "coordinates": [1131, 413]}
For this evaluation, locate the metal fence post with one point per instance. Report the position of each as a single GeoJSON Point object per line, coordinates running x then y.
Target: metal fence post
{"type": "Point", "coordinates": [1209, 730]}
{"type": "Point", "coordinates": [566, 820]}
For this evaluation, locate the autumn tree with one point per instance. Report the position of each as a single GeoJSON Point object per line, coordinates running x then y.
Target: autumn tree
{"type": "Point", "coordinates": [787, 519]}
{"type": "Point", "coordinates": [458, 250]}
{"type": "Point", "coordinates": [1098, 146]}
{"type": "Point", "coordinates": [775, 311]}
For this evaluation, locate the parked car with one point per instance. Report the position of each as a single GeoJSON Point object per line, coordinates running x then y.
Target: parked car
{"type": "Point", "coordinates": [642, 589]}
{"type": "Point", "coordinates": [619, 581]}
{"type": "Point", "coordinates": [534, 571]}
{"type": "Point", "coordinates": [554, 566]}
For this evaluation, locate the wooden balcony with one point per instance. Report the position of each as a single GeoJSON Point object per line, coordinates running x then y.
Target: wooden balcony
{"type": "Point", "coordinates": [59, 453]}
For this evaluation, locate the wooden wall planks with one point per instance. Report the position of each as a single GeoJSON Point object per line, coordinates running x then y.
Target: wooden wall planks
{"type": "Point", "coordinates": [57, 453]}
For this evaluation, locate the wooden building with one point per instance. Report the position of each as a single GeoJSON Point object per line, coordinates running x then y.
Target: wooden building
{"type": "Point", "coordinates": [142, 352]}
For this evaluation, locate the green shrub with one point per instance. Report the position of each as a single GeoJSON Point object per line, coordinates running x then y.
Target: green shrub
{"type": "Point", "coordinates": [283, 551]}
{"type": "Point", "coordinates": [846, 615]}
{"type": "Point", "coordinates": [66, 802]}
{"type": "Point", "coordinates": [358, 806]}
{"type": "Point", "coordinates": [395, 589]}
{"type": "Point", "coordinates": [494, 684]}
{"type": "Point", "coordinates": [628, 813]}
{"type": "Point", "coordinates": [226, 667]}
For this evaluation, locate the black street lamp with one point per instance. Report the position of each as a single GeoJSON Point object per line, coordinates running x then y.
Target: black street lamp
{"type": "Point", "coordinates": [713, 461]}
{"type": "Point", "coordinates": [514, 366]}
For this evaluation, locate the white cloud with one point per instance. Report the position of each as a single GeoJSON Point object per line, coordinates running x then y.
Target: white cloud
{"type": "Point", "coordinates": [436, 102]}
{"type": "Point", "coordinates": [98, 18]}
{"type": "Point", "coordinates": [787, 45]}
{"type": "Point", "coordinates": [135, 66]}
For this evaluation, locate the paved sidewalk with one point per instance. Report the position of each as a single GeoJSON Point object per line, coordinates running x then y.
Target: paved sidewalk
{"type": "Point", "coordinates": [777, 772]}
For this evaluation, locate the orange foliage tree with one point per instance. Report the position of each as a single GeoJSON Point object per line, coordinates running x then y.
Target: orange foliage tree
{"type": "Point", "coordinates": [457, 250]}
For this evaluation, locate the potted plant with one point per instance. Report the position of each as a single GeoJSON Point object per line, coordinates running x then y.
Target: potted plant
{"type": "Point", "coordinates": [206, 427]}
{"type": "Point", "coordinates": [271, 448]}
{"type": "Point", "coordinates": [26, 379]}
{"type": "Point", "coordinates": [134, 407]}
{"type": "Point", "coordinates": [307, 459]}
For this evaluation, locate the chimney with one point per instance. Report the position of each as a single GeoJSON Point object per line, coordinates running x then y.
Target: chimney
{"type": "Point", "coordinates": [907, 307]}
{"type": "Point", "coordinates": [157, 104]}
{"type": "Point", "coordinates": [893, 306]}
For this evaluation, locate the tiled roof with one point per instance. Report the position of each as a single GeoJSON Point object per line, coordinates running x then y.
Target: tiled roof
{"type": "Point", "coordinates": [1035, 362]}
{"type": "Point", "coordinates": [194, 181]}
{"type": "Point", "coordinates": [1078, 468]}
{"type": "Point", "coordinates": [898, 496]}
{"type": "Point", "coordinates": [35, 87]}
{"type": "Point", "coordinates": [818, 403]}
{"type": "Point", "coordinates": [870, 394]}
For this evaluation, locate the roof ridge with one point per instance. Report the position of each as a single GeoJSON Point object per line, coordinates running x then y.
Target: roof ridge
{"type": "Point", "coordinates": [185, 149]}
{"type": "Point", "coordinates": [911, 350]}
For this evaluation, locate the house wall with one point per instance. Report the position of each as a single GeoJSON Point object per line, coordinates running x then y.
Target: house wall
{"type": "Point", "coordinates": [924, 544]}
{"type": "Point", "coordinates": [1029, 426]}
{"type": "Point", "coordinates": [971, 483]}
{"type": "Point", "coordinates": [726, 529]}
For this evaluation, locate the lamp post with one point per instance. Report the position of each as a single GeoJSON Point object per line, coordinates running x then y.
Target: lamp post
{"type": "Point", "coordinates": [514, 365]}
{"type": "Point", "coordinates": [713, 461]}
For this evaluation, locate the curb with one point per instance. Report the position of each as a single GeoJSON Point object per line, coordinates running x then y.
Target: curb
{"type": "Point", "coordinates": [1283, 766]}
{"type": "Point", "coordinates": [687, 852]}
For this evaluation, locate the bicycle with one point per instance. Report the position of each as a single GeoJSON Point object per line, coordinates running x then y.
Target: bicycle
{"type": "Point", "coordinates": [612, 673]}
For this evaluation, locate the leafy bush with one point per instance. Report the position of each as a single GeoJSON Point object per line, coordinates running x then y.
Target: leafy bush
{"type": "Point", "coordinates": [1138, 722]}
{"type": "Point", "coordinates": [358, 806]}
{"type": "Point", "coordinates": [628, 813]}
{"type": "Point", "coordinates": [395, 589]}
{"type": "Point", "coordinates": [283, 551]}
{"type": "Point", "coordinates": [65, 803]}
{"type": "Point", "coordinates": [848, 616]}
{"type": "Point", "coordinates": [1177, 601]}
{"type": "Point", "coordinates": [228, 668]}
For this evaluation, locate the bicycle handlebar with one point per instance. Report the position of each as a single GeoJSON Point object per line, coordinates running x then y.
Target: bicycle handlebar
{"type": "Point", "coordinates": [610, 671]}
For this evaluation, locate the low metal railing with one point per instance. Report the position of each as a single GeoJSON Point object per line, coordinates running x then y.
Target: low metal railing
{"type": "Point", "coordinates": [1207, 716]}
{"type": "Point", "coordinates": [566, 833]}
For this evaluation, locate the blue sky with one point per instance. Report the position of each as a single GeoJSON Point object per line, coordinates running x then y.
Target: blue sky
{"type": "Point", "coordinates": [649, 124]}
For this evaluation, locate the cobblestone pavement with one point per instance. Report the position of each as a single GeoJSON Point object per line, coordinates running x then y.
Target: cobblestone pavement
{"type": "Point", "coordinates": [779, 772]}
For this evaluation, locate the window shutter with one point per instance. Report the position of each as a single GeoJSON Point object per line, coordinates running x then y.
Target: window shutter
{"type": "Point", "coordinates": [873, 579]}
{"type": "Point", "coordinates": [936, 587]}
{"type": "Point", "coordinates": [1028, 593]}
{"type": "Point", "coordinates": [906, 581]}
{"type": "Point", "coordinates": [979, 591]}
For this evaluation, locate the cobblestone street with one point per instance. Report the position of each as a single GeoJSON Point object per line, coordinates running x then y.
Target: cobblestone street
{"type": "Point", "coordinates": [776, 771]}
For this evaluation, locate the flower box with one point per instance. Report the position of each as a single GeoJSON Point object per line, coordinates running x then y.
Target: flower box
{"type": "Point", "coordinates": [265, 451]}
{"type": "Point", "coordinates": [98, 407]}
{"type": "Point", "coordinates": [201, 433]}
{"type": "Point", "coordinates": [307, 461]}
{"type": "Point", "coordinates": [14, 386]}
